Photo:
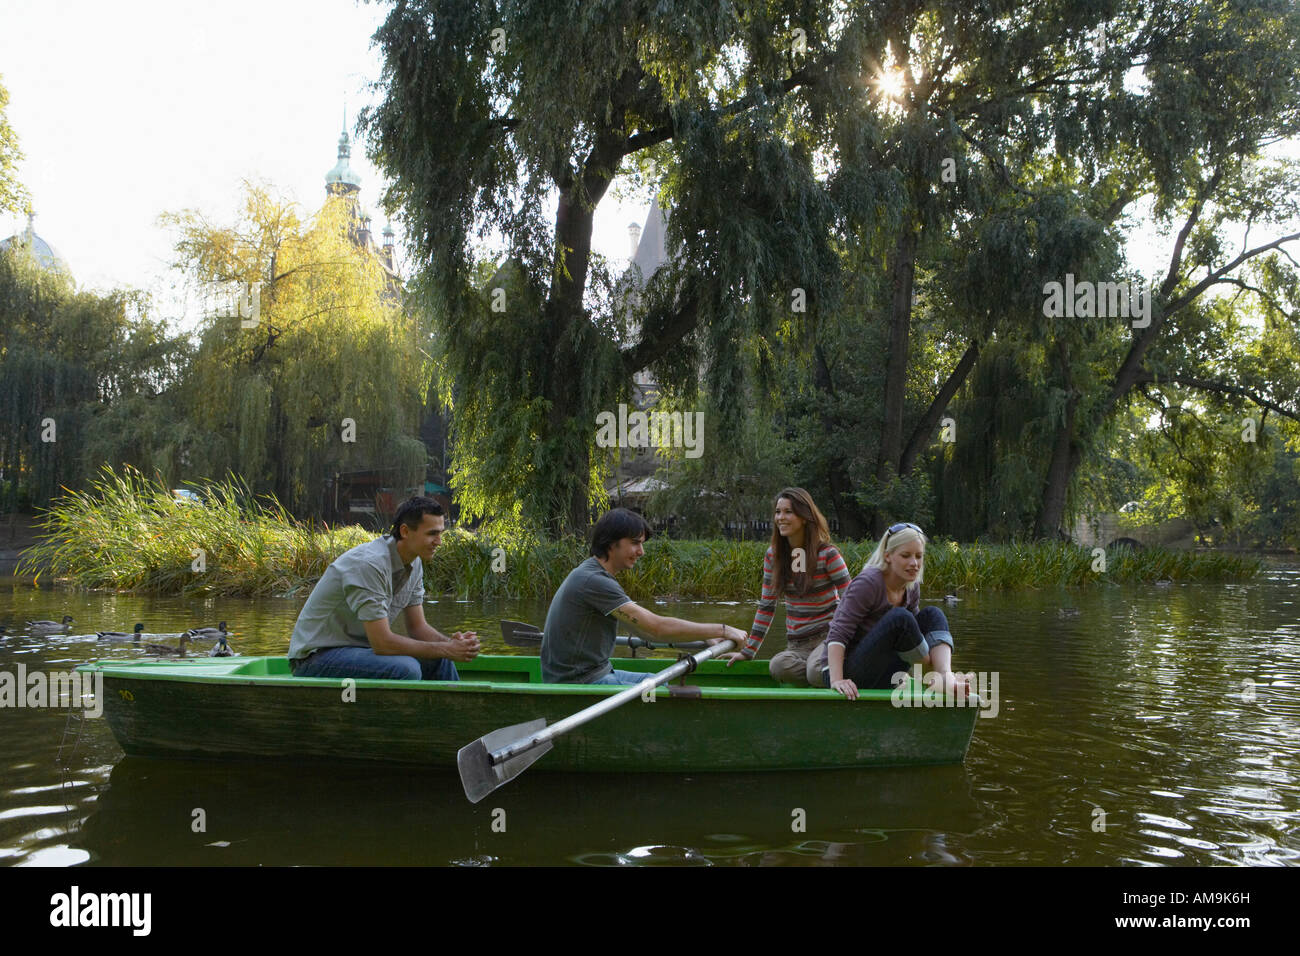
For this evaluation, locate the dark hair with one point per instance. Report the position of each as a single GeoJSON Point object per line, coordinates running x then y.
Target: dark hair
{"type": "Point", "coordinates": [411, 513]}
{"type": "Point", "coordinates": [615, 526]}
{"type": "Point", "coordinates": [815, 534]}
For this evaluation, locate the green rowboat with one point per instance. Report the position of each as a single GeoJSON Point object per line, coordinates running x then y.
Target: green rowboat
{"type": "Point", "coordinates": [716, 718]}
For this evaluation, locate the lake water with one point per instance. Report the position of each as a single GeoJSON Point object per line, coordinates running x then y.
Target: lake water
{"type": "Point", "coordinates": [1155, 726]}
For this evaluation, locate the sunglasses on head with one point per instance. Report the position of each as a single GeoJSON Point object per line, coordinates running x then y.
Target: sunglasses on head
{"type": "Point", "coordinates": [899, 527]}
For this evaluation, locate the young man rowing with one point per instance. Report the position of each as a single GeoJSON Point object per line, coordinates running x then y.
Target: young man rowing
{"type": "Point", "coordinates": [580, 625]}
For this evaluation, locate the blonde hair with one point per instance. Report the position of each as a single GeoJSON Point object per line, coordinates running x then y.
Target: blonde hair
{"type": "Point", "coordinates": [897, 540]}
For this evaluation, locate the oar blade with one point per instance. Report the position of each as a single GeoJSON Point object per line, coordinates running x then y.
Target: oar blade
{"type": "Point", "coordinates": [480, 776]}
{"type": "Point", "coordinates": [518, 634]}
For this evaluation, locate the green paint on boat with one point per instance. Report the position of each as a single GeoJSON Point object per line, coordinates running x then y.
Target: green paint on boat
{"type": "Point", "coordinates": [718, 719]}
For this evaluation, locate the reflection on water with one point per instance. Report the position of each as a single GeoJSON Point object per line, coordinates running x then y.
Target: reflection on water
{"type": "Point", "coordinates": [321, 815]}
{"type": "Point", "coordinates": [1159, 726]}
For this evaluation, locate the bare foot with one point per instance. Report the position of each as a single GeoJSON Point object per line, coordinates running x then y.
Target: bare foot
{"type": "Point", "coordinates": [949, 684]}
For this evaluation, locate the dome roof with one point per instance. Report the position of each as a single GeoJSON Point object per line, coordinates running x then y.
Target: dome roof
{"type": "Point", "coordinates": [342, 176]}
{"type": "Point", "coordinates": [46, 256]}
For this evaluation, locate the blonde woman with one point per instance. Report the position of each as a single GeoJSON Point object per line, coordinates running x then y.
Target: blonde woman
{"type": "Point", "coordinates": [807, 571]}
{"type": "Point", "coordinates": [880, 627]}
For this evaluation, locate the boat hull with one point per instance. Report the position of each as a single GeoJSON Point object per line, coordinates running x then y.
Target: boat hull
{"type": "Point", "coordinates": [719, 720]}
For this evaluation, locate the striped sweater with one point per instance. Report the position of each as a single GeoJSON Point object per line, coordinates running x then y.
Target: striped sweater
{"type": "Point", "coordinates": [805, 614]}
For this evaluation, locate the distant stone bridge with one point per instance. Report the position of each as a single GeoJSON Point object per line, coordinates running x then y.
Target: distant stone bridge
{"type": "Point", "coordinates": [1112, 530]}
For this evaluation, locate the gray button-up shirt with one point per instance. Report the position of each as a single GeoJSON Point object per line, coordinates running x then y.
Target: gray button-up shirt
{"type": "Point", "coordinates": [363, 584]}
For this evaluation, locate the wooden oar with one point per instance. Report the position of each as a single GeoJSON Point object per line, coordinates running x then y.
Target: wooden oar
{"type": "Point", "coordinates": [518, 634]}
{"type": "Point", "coordinates": [497, 758]}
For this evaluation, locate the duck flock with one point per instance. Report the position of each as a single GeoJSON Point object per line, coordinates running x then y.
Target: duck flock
{"type": "Point", "coordinates": [139, 637]}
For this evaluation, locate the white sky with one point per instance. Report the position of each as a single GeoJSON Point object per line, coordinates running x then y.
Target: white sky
{"type": "Point", "coordinates": [126, 110]}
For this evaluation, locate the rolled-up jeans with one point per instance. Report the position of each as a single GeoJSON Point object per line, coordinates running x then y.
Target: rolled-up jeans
{"type": "Point", "coordinates": [622, 677]}
{"type": "Point", "coordinates": [363, 663]}
{"type": "Point", "coordinates": [898, 639]}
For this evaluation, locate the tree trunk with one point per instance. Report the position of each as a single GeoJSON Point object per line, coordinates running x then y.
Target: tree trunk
{"type": "Point", "coordinates": [853, 523]}
{"type": "Point", "coordinates": [573, 227]}
{"type": "Point", "coordinates": [574, 220]}
{"type": "Point", "coordinates": [925, 427]}
{"type": "Point", "coordinates": [902, 271]}
{"type": "Point", "coordinates": [1065, 459]}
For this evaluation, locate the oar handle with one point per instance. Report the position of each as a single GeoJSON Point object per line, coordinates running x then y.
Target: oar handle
{"type": "Point", "coordinates": [635, 642]}
{"type": "Point", "coordinates": [684, 666]}
{"type": "Point", "coordinates": [518, 634]}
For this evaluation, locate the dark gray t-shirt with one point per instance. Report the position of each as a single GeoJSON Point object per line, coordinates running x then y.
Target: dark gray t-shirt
{"type": "Point", "coordinates": [579, 631]}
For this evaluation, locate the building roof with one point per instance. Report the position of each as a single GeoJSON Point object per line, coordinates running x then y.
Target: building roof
{"type": "Point", "coordinates": [46, 256]}
{"type": "Point", "coordinates": [343, 178]}
{"type": "Point", "coordinates": [651, 252]}
{"type": "Point", "coordinates": [640, 486]}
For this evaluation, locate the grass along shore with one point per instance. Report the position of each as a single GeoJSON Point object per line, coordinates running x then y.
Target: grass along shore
{"type": "Point", "coordinates": [130, 534]}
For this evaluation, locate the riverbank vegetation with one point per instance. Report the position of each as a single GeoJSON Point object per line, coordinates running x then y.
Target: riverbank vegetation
{"type": "Point", "coordinates": [131, 533]}
{"type": "Point", "coordinates": [850, 245]}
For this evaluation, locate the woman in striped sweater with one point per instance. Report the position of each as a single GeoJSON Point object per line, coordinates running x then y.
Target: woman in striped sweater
{"type": "Point", "coordinates": [804, 568]}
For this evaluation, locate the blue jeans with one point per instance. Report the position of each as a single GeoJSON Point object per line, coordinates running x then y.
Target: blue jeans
{"type": "Point", "coordinates": [898, 639]}
{"type": "Point", "coordinates": [622, 677]}
{"type": "Point", "coordinates": [364, 663]}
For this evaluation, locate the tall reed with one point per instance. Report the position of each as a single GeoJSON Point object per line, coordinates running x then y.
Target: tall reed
{"type": "Point", "coordinates": [130, 533]}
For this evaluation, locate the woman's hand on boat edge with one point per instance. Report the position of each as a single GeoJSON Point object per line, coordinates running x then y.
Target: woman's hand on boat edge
{"type": "Point", "coordinates": [846, 687]}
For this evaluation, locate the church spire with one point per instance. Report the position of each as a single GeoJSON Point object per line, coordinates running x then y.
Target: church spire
{"type": "Point", "coordinates": [342, 180]}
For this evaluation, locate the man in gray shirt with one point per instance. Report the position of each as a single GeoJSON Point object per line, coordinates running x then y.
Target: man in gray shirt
{"type": "Point", "coordinates": [350, 625]}
{"type": "Point", "coordinates": [578, 638]}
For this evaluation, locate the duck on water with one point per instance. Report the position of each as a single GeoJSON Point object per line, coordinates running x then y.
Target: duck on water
{"type": "Point", "coordinates": [209, 633]}
{"type": "Point", "coordinates": [135, 635]}
{"type": "Point", "coordinates": [50, 627]}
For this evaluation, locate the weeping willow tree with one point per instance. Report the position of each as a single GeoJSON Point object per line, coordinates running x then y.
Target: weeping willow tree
{"type": "Point", "coordinates": [46, 391]}
{"type": "Point", "coordinates": [781, 134]}
{"type": "Point", "coordinates": [512, 122]}
{"type": "Point", "coordinates": [1029, 373]}
{"type": "Point", "coordinates": [12, 195]}
{"type": "Point", "coordinates": [85, 380]}
{"type": "Point", "coordinates": [1223, 421]}
{"type": "Point", "coordinates": [988, 478]}
{"type": "Point", "coordinates": [325, 375]}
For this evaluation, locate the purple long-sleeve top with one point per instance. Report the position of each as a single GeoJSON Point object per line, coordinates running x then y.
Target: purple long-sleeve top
{"type": "Point", "coordinates": [864, 603]}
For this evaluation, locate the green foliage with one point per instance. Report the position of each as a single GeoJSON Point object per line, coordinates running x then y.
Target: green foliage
{"type": "Point", "coordinates": [829, 394]}
{"type": "Point", "coordinates": [978, 149]}
{"type": "Point", "coordinates": [991, 475]}
{"type": "Point", "coordinates": [499, 564]}
{"type": "Point", "coordinates": [480, 134]}
{"type": "Point", "coordinates": [504, 429]}
{"type": "Point", "coordinates": [332, 378]}
{"type": "Point", "coordinates": [1231, 476]}
{"type": "Point", "coordinates": [13, 197]}
{"type": "Point", "coordinates": [950, 567]}
{"type": "Point", "coordinates": [732, 481]}
{"type": "Point", "coordinates": [1204, 435]}
{"type": "Point", "coordinates": [132, 534]}
{"type": "Point", "coordinates": [94, 373]}
{"type": "Point", "coordinates": [1274, 490]}
{"type": "Point", "coordinates": [733, 570]}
